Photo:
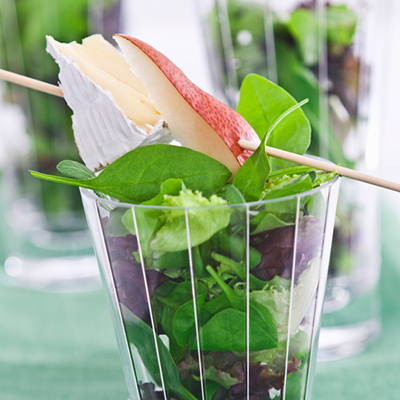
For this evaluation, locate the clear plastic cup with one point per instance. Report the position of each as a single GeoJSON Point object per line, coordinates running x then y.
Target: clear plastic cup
{"type": "Point", "coordinates": [216, 302]}
{"type": "Point", "coordinates": [47, 244]}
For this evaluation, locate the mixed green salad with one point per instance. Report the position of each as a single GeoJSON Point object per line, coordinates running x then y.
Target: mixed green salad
{"type": "Point", "coordinates": [217, 300]}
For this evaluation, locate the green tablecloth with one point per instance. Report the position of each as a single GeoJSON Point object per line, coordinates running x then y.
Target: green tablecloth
{"type": "Point", "coordinates": [62, 346]}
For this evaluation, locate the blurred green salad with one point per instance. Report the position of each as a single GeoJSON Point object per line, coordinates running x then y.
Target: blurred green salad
{"type": "Point", "coordinates": [287, 49]}
{"type": "Point", "coordinates": [25, 25]}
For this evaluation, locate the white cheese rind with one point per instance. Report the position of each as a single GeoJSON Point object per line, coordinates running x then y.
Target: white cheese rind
{"type": "Point", "coordinates": [102, 131]}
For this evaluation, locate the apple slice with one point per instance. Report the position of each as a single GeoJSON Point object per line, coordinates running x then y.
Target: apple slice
{"type": "Point", "coordinates": [196, 119]}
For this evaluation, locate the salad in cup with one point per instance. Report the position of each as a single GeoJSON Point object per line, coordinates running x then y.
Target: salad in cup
{"type": "Point", "coordinates": [214, 258]}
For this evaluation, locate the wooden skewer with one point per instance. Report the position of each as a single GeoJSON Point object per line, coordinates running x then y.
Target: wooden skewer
{"type": "Point", "coordinates": [30, 83]}
{"type": "Point", "coordinates": [322, 165]}
{"type": "Point", "coordinates": [282, 154]}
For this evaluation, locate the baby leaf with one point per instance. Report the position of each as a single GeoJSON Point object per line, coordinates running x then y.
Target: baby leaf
{"type": "Point", "coordinates": [213, 306]}
{"type": "Point", "coordinates": [136, 176]}
{"type": "Point", "coordinates": [298, 170]}
{"type": "Point", "coordinates": [171, 186]}
{"type": "Point", "coordinates": [178, 259]}
{"type": "Point", "coordinates": [236, 300]}
{"type": "Point", "coordinates": [290, 187]}
{"type": "Point", "coordinates": [251, 177]}
{"type": "Point", "coordinates": [231, 194]}
{"type": "Point", "coordinates": [226, 330]}
{"type": "Point", "coordinates": [204, 221]}
{"type": "Point", "coordinates": [141, 336]}
{"type": "Point", "coordinates": [239, 270]}
{"type": "Point", "coordinates": [75, 169]}
{"type": "Point", "coordinates": [183, 323]}
{"type": "Point", "coordinates": [266, 221]}
{"type": "Point", "coordinates": [180, 294]}
{"type": "Point", "coordinates": [166, 323]}
{"type": "Point", "coordinates": [285, 209]}
{"type": "Point", "coordinates": [261, 103]}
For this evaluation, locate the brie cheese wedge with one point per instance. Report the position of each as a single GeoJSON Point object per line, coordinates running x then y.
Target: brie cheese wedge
{"type": "Point", "coordinates": [112, 113]}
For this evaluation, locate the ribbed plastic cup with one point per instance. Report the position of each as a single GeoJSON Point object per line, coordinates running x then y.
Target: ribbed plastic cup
{"type": "Point", "coordinates": [216, 302]}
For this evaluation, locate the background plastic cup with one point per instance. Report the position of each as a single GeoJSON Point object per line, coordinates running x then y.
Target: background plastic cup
{"type": "Point", "coordinates": [326, 52]}
{"type": "Point", "coordinates": [47, 244]}
{"type": "Point", "coordinates": [218, 301]}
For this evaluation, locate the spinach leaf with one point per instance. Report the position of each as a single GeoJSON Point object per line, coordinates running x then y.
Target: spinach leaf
{"type": "Point", "coordinates": [251, 177]}
{"type": "Point", "coordinates": [213, 306]}
{"type": "Point", "coordinates": [231, 194]}
{"type": "Point", "coordinates": [137, 176]}
{"type": "Point", "coordinates": [210, 388]}
{"type": "Point", "coordinates": [198, 263]}
{"type": "Point", "coordinates": [171, 186]}
{"type": "Point", "coordinates": [266, 221]}
{"type": "Point", "coordinates": [261, 103]}
{"type": "Point", "coordinates": [178, 259]}
{"type": "Point", "coordinates": [227, 330]}
{"type": "Point", "coordinates": [165, 289]}
{"type": "Point", "coordinates": [193, 384]}
{"type": "Point", "coordinates": [180, 293]}
{"type": "Point", "coordinates": [141, 336]}
{"type": "Point", "coordinates": [183, 323]}
{"type": "Point", "coordinates": [167, 315]}
{"type": "Point", "coordinates": [262, 326]}
{"type": "Point", "coordinates": [77, 170]}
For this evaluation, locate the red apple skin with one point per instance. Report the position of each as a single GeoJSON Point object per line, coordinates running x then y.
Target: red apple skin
{"type": "Point", "coordinates": [225, 121]}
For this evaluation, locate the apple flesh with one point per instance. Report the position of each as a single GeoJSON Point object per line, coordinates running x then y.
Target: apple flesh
{"type": "Point", "coordinates": [196, 119]}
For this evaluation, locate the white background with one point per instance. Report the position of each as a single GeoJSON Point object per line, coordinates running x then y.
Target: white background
{"type": "Point", "coordinates": [173, 27]}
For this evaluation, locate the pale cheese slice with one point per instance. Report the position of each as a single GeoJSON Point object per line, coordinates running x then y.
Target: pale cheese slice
{"type": "Point", "coordinates": [112, 112]}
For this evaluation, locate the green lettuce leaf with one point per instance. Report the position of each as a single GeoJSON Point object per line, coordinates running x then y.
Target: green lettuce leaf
{"type": "Point", "coordinates": [204, 221]}
{"type": "Point", "coordinates": [276, 298]}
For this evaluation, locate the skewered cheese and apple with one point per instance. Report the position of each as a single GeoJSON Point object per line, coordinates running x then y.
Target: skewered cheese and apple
{"type": "Point", "coordinates": [116, 110]}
